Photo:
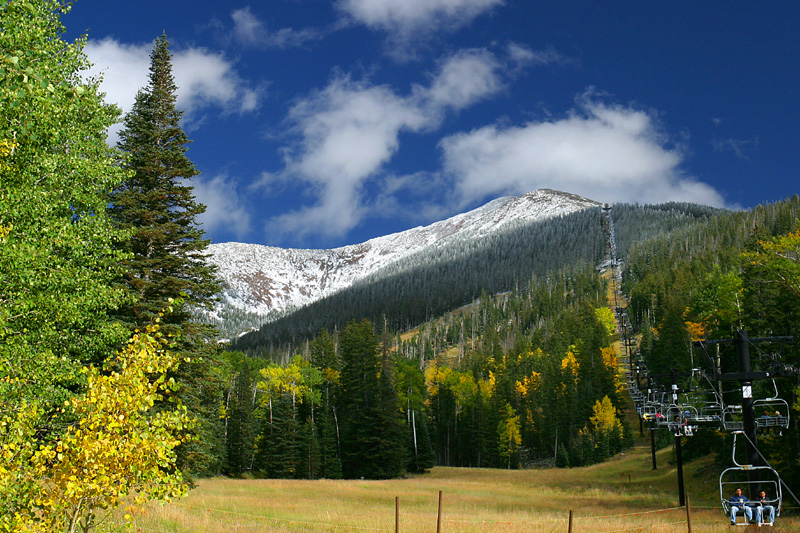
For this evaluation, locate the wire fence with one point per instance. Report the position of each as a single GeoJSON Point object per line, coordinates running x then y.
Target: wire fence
{"type": "Point", "coordinates": [672, 519]}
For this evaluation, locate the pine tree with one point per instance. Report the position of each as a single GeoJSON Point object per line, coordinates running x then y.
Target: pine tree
{"type": "Point", "coordinates": [372, 432]}
{"type": "Point", "coordinates": [157, 206]}
{"type": "Point", "coordinates": [241, 423]}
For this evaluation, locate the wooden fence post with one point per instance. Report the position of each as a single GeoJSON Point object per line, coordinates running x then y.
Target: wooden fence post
{"type": "Point", "coordinates": [439, 515]}
{"type": "Point", "coordinates": [688, 514]}
{"type": "Point", "coordinates": [570, 521]}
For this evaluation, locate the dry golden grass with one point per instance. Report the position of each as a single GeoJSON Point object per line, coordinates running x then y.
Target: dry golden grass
{"type": "Point", "coordinates": [625, 494]}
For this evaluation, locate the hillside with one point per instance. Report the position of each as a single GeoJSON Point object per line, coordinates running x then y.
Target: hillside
{"type": "Point", "coordinates": [262, 283]}
{"type": "Point", "coordinates": [440, 278]}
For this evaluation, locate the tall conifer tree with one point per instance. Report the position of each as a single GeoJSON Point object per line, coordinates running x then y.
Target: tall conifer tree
{"type": "Point", "coordinates": [157, 205]}
{"type": "Point", "coordinates": [372, 432]}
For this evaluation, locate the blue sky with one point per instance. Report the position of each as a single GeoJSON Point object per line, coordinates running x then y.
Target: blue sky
{"type": "Point", "coordinates": [320, 123]}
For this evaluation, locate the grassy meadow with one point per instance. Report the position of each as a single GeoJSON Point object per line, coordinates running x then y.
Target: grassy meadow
{"type": "Point", "coordinates": [624, 494]}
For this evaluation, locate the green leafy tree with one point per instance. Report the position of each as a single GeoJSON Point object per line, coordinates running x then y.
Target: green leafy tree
{"type": "Point", "coordinates": [58, 262]}
{"type": "Point", "coordinates": [156, 205]}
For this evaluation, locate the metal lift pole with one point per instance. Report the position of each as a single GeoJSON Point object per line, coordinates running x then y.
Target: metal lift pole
{"type": "Point", "coordinates": [679, 458]}
{"type": "Point", "coordinates": [678, 452]}
{"type": "Point", "coordinates": [743, 350]}
{"type": "Point", "coordinates": [653, 429]}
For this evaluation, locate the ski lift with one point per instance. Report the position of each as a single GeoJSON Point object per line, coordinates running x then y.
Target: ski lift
{"type": "Point", "coordinates": [699, 404]}
{"type": "Point", "coordinates": [732, 418]}
{"type": "Point", "coordinates": [739, 476]}
{"type": "Point", "coordinates": [651, 406]}
{"type": "Point", "coordinates": [709, 415]}
{"type": "Point", "coordinates": [771, 412]}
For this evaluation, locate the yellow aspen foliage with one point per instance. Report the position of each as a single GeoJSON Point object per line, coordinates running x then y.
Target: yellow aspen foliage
{"type": "Point", "coordinates": [329, 375]}
{"type": "Point", "coordinates": [570, 363]}
{"type": "Point", "coordinates": [609, 357]}
{"type": "Point", "coordinates": [529, 384]}
{"type": "Point", "coordinates": [510, 437]}
{"type": "Point", "coordinates": [435, 376]}
{"type": "Point", "coordinates": [488, 386]}
{"type": "Point", "coordinates": [696, 330]}
{"type": "Point", "coordinates": [606, 317]}
{"type": "Point", "coordinates": [297, 380]}
{"type": "Point", "coordinates": [120, 449]}
{"type": "Point", "coordinates": [6, 151]}
{"type": "Point", "coordinates": [604, 417]}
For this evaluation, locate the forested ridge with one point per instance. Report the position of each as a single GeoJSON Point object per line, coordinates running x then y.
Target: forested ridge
{"type": "Point", "coordinates": [443, 278]}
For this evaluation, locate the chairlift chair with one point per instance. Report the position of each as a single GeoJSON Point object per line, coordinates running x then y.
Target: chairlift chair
{"type": "Point", "coordinates": [732, 419]}
{"type": "Point", "coordinates": [738, 476]}
{"type": "Point", "coordinates": [709, 415]}
{"type": "Point", "coordinates": [771, 412]}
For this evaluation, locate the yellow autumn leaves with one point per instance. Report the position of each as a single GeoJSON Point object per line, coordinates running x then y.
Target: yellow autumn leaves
{"type": "Point", "coordinates": [117, 449]}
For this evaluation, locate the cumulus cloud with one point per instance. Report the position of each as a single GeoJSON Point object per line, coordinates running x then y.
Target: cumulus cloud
{"type": "Point", "coordinates": [250, 31]}
{"type": "Point", "coordinates": [609, 153]}
{"type": "Point", "coordinates": [465, 78]}
{"type": "Point", "coordinates": [224, 205]}
{"type": "Point", "coordinates": [124, 68]}
{"type": "Point", "coordinates": [348, 131]}
{"type": "Point", "coordinates": [205, 79]}
{"type": "Point", "coordinates": [208, 79]}
{"type": "Point", "coordinates": [407, 21]}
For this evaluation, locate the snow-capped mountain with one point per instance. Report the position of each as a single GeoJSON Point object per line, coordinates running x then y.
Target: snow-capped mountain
{"type": "Point", "coordinates": [268, 281]}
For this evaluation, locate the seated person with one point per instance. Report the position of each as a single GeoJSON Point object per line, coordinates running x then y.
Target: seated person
{"type": "Point", "coordinates": [739, 504]}
{"type": "Point", "coordinates": [765, 512]}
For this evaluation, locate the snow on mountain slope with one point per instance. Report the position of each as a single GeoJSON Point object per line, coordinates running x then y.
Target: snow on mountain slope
{"type": "Point", "coordinates": [267, 280]}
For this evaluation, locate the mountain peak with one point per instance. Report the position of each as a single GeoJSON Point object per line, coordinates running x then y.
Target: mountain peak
{"type": "Point", "coordinates": [267, 281]}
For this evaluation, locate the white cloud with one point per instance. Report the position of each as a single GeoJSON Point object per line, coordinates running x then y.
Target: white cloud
{"type": "Point", "coordinates": [224, 206]}
{"type": "Point", "coordinates": [741, 148]}
{"type": "Point", "coordinates": [525, 56]}
{"type": "Point", "coordinates": [205, 79]}
{"type": "Point", "coordinates": [464, 78]}
{"type": "Point", "coordinates": [407, 21]}
{"type": "Point", "coordinates": [124, 68]}
{"type": "Point", "coordinates": [607, 153]}
{"type": "Point", "coordinates": [350, 130]}
{"type": "Point", "coordinates": [249, 31]}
